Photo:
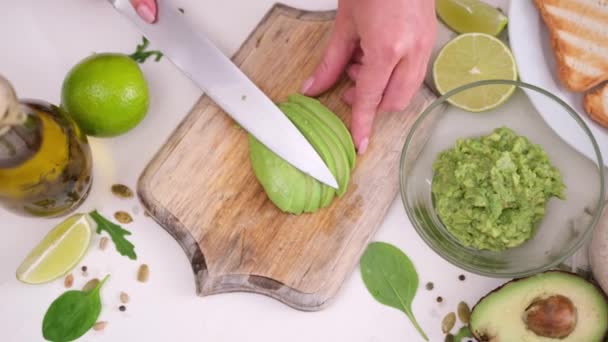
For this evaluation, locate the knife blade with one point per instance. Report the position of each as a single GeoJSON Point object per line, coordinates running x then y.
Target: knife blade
{"type": "Point", "coordinates": [199, 59]}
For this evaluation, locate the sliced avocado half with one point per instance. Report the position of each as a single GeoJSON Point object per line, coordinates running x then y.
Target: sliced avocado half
{"type": "Point", "coordinates": [311, 134]}
{"type": "Point", "coordinates": [290, 189]}
{"type": "Point", "coordinates": [315, 107]}
{"type": "Point", "coordinates": [550, 306]}
{"type": "Point", "coordinates": [336, 149]}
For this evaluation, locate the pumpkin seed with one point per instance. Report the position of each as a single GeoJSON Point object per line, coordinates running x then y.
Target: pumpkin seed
{"type": "Point", "coordinates": [449, 338]}
{"type": "Point", "coordinates": [91, 284]}
{"type": "Point", "coordinates": [103, 243]}
{"type": "Point", "coordinates": [448, 322]}
{"type": "Point", "coordinates": [464, 313]}
{"type": "Point", "coordinates": [123, 217]}
{"type": "Point", "coordinates": [100, 325]}
{"type": "Point", "coordinates": [143, 273]}
{"type": "Point", "coordinates": [68, 281]}
{"type": "Point", "coordinates": [124, 297]}
{"type": "Point", "coordinates": [122, 191]}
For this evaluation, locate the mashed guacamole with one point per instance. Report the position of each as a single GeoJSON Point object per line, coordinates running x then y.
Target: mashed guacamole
{"type": "Point", "coordinates": [490, 192]}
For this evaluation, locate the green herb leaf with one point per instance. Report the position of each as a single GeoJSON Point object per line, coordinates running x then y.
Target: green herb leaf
{"type": "Point", "coordinates": [463, 333]}
{"type": "Point", "coordinates": [141, 55]}
{"type": "Point", "coordinates": [117, 233]}
{"type": "Point", "coordinates": [391, 278]}
{"type": "Point", "coordinates": [72, 314]}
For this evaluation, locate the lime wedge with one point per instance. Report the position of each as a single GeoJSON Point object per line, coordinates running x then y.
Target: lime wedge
{"type": "Point", "coordinates": [475, 57]}
{"type": "Point", "coordinates": [59, 251]}
{"type": "Point", "coordinates": [466, 16]}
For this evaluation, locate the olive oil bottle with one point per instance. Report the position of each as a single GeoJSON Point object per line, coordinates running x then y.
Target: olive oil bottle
{"type": "Point", "coordinates": [45, 160]}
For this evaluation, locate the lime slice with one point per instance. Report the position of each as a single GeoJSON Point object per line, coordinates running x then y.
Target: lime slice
{"type": "Point", "coordinates": [475, 57]}
{"type": "Point", "coordinates": [59, 251]}
{"type": "Point", "coordinates": [466, 16]}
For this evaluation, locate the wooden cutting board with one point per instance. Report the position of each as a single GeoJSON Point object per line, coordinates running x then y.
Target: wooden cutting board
{"type": "Point", "coordinates": [200, 186]}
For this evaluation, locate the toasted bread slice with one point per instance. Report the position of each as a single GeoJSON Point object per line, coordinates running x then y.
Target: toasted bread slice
{"type": "Point", "coordinates": [596, 104]}
{"type": "Point", "coordinates": [579, 37]}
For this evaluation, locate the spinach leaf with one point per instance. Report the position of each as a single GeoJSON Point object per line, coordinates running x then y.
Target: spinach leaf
{"type": "Point", "coordinates": [391, 278]}
{"type": "Point", "coordinates": [72, 314]}
{"type": "Point", "coordinates": [463, 333]}
{"type": "Point", "coordinates": [117, 233]}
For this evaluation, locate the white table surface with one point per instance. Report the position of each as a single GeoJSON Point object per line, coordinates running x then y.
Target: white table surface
{"type": "Point", "coordinates": [40, 44]}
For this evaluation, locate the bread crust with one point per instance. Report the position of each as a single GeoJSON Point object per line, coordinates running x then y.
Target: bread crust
{"type": "Point", "coordinates": [596, 104]}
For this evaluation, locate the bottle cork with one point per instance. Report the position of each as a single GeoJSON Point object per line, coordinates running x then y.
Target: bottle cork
{"type": "Point", "coordinates": [10, 110]}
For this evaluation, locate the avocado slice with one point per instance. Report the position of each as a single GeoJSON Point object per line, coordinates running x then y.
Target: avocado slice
{"type": "Point", "coordinates": [274, 174]}
{"type": "Point", "coordinates": [301, 193]}
{"type": "Point", "coordinates": [550, 306]}
{"type": "Point", "coordinates": [335, 147]}
{"type": "Point", "coordinates": [314, 202]}
{"type": "Point", "coordinates": [318, 143]}
{"type": "Point", "coordinates": [332, 121]}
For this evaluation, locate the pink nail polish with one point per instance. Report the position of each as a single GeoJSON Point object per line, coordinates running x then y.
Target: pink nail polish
{"type": "Point", "coordinates": [363, 146]}
{"type": "Point", "coordinates": [145, 13]}
{"type": "Point", "coordinates": [307, 84]}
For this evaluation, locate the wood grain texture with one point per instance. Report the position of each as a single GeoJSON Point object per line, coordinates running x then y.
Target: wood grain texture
{"type": "Point", "coordinates": [201, 189]}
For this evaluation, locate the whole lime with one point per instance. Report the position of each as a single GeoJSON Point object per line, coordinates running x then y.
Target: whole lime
{"type": "Point", "coordinates": [106, 94]}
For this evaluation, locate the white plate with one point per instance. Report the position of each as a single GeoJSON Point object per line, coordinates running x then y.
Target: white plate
{"type": "Point", "coordinates": [531, 47]}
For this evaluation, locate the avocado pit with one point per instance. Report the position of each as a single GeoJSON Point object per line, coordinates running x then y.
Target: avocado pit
{"type": "Point", "coordinates": [552, 317]}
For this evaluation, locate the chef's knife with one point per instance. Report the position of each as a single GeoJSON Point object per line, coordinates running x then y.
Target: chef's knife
{"type": "Point", "coordinates": [229, 87]}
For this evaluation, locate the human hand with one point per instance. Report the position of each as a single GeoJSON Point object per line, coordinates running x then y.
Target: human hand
{"type": "Point", "coordinates": [385, 47]}
{"type": "Point", "coordinates": [146, 9]}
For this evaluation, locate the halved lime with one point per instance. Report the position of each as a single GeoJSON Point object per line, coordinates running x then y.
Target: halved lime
{"type": "Point", "coordinates": [466, 16]}
{"type": "Point", "coordinates": [59, 251]}
{"type": "Point", "coordinates": [475, 57]}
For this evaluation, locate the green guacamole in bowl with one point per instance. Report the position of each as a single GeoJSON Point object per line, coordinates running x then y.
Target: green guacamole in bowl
{"type": "Point", "coordinates": [499, 193]}
{"type": "Point", "coordinates": [491, 191]}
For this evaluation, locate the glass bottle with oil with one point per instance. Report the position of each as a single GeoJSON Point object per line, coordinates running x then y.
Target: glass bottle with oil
{"type": "Point", "coordinates": [45, 160]}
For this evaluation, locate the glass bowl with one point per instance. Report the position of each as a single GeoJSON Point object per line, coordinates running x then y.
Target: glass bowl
{"type": "Point", "coordinates": [567, 223]}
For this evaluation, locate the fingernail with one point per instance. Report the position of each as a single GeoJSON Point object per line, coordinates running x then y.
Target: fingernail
{"type": "Point", "coordinates": [363, 146]}
{"type": "Point", "coordinates": [307, 84]}
{"type": "Point", "coordinates": [145, 13]}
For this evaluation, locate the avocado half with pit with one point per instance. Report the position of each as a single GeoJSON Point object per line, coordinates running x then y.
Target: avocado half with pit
{"type": "Point", "coordinates": [290, 189]}
{"type": "Point", "coordinates": [550, 306]}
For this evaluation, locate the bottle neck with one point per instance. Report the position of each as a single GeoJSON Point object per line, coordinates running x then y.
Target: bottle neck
{"type": "Point", "coordinates": [11, 112]}
{"type": "Point", "coordinates": [20, 138]}
{"type": "Point", "coordinates": [20, 135]}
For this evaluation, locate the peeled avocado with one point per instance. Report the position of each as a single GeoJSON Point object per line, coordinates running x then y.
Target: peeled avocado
{"type": "Point", "coordinates": [550, 306]}
{"type": "Point", "coordinates": [290, 189]}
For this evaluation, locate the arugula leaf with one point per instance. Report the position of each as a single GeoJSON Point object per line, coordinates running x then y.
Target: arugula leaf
{"type": "Point", "coordinates": [463, 333]}
{"type": "Point", "coordinates": [72, 314]}
{"type": "Point", "coordinates": [117, 233]}
{"type": "Point", "coordinates": [391, 278]}
{"type": "Point", "coordinates": [141, 55]}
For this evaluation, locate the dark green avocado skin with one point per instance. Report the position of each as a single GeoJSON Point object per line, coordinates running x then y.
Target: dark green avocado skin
{"type": "Point", "coordinates": [482, 338]}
